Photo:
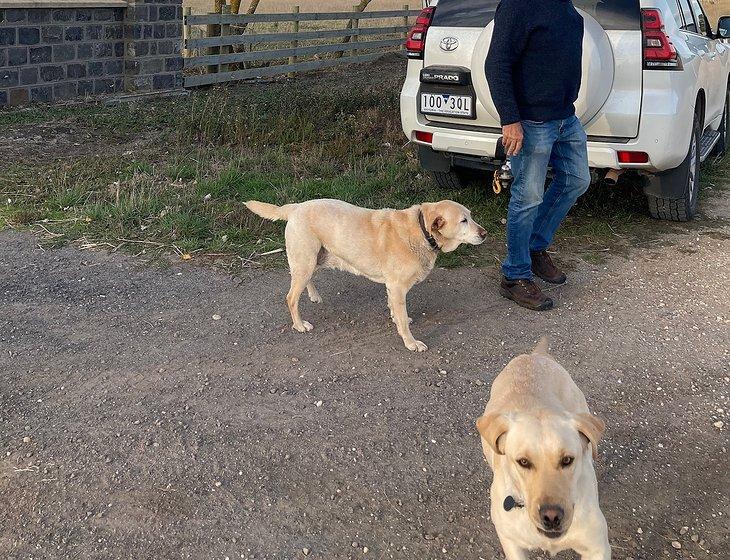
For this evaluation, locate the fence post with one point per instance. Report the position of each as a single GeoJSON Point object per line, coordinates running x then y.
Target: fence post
{"type": "Point", "coordinates": [225, 31]}
{"type": "Point", "coordinates": [355, 28]}
{"type": "Point", "coordinates": [405, 24]}
{"type": "Point", "coordinates": [186, 30]}
{"type": "Point", "coordinates": [295, 42]}
{"type": "Point", "coordinates": [213, 30]}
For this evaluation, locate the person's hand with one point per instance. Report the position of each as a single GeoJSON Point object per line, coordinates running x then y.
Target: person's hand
{"type": "Point", "coordinates": [512, 138]}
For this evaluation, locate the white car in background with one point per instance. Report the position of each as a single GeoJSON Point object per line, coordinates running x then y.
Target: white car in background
{"type": "Point", "coordinates": [653, 100]}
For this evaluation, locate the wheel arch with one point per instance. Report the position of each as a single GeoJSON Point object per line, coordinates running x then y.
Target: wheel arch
{"type": "Point", "coordinates": [700, 105]}
{"type": "Point", "coordinates": [670, 184]}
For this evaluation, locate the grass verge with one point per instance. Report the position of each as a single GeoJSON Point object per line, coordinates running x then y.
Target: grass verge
{"type": "Point", "coordinates": [172, 175]}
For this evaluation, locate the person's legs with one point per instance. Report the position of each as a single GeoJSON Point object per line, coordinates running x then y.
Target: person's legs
{"type": "Point", "coordinates": [571, 178]}
{"type": "Point", "coordinates": [529, 169]}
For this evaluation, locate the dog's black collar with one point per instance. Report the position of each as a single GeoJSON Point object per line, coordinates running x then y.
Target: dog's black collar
{"type": "Point", "coordinates": [510, 503]}
{"type": "Point", "coordinates": [426, 233]}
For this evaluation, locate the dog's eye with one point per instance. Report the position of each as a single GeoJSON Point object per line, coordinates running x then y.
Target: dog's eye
{"type": "Point", "coordinates": [464, 221]}
{"type": "Point", "coordinates": [524, 463]}
{"type": "Point", "coordinates": [567, 461]}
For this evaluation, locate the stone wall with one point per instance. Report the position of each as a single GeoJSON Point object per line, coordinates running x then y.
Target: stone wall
{"type": "Point", "coordinates": [153, 30]}
{"type": "Point", "coordinates": [55, 54]}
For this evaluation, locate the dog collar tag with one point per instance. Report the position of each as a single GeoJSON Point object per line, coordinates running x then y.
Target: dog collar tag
{"type": "Point", "coordinates": [510, 503]}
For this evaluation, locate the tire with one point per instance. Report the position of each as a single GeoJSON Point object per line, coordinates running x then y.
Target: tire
{"type": "Point", "coordinates": [688, 173]}
{"type": "Point", "coordinates": [721, 146]}
{"type": "Point", "coordinates": [453, 179]}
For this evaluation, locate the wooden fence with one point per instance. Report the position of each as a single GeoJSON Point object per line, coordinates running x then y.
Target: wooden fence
{"type": "Point", "coordinates": [223, 56]}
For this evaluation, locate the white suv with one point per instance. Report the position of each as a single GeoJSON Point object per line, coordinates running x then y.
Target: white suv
{"type": "Point", "coordinates": [653, 100]}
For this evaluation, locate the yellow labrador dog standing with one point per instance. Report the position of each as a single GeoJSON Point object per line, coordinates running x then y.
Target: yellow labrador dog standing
{"type": "Point", "coordinates": [397, 248]}
{"type": "Point", "coordinates": [540, 440]}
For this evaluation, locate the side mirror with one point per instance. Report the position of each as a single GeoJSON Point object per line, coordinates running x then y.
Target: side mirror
{"type": "Point", "coordinates": [723, 28]}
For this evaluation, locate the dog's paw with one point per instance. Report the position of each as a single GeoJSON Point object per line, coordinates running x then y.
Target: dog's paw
{"type": "Point", "coordinates": [315, 298]}
{"type": "Point", "coordinates": [416, 346]}
{"type": "Point", "coordinates": [306, 326]}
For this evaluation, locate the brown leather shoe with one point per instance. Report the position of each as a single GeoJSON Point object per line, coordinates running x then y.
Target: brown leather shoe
{"type": "Point", "coordinates": [543, 267]}
{"type": "Point", "coordinates": [525, 293]}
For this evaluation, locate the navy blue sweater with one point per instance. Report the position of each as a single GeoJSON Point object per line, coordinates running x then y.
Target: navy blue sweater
{"type": "Point", "coordinates": [534, 61]}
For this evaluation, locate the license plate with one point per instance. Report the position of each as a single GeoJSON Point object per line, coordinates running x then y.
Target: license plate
{"type": "Point", "coordinates": [447, 104]}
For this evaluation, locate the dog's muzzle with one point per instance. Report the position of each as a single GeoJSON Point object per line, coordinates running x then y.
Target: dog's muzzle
{"type": "Point", "coordinates": [481, 236]}
{"type": "Point", "coordinates": [551, 534]}
{"type": "Point", "coordinates": [553, 519]}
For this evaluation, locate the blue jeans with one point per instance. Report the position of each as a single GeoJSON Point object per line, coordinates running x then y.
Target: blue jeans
{"type": "Point", "coordinates": [534, 213]}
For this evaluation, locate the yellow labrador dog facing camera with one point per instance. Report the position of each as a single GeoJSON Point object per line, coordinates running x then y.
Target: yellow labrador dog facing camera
{"type": "Point", "coordinates": [397, 248]}
{"type": "Point", "coordinates": [540, 440]}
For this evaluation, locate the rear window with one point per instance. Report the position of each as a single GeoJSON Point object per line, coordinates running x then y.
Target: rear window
{"type": "Point", "coordinates": [611, 14]}
{"type": "Point", "coordinates": [464, 13]}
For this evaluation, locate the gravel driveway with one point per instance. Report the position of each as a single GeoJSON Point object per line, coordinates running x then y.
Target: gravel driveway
{"type": "Point", "coordinates": [170, 412]}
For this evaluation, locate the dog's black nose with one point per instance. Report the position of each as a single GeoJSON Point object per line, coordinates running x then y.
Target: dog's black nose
{"type": "Point", "coordinates": [551, 517]}
{"type": "Point", "coordinates": [482, 233]}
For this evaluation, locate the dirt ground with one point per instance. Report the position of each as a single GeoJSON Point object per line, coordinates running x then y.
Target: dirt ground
{"type": "Point", "coordinates": [170, 412]}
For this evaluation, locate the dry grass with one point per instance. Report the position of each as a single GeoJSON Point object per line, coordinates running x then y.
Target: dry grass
{"type": "Point", "coordinates": [716, 8]}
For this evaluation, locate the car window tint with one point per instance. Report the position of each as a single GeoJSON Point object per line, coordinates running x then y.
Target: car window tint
{"type": "Point", "coordinates": [611, 14]}
{"type": "Point", "coordinates": [464, 13]}
{"type": "Point", "coordinates": [700, 17]}
{"type": "Point", "coordinates": [689, 21]}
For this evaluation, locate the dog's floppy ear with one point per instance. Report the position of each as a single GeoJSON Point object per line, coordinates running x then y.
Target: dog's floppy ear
{"type": "Point", "coordinates": [438, 223]}
{"type": "Point", "coordinates": [591, 428]}
{"type": "Point", "coordinates": [493, 426]}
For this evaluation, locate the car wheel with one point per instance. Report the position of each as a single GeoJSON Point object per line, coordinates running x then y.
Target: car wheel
{"type": "Point", "coordinates": [453, 179]}
{"type": "Point", "coordinates": [721, 146]}
{"type": "Point", "coordinates": [688, 173]}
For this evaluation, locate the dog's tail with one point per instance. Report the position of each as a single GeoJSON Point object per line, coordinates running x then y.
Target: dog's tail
{"type": "Point", "coordinates": [270, 211]}
{"type": "Point", "coordinates": [543, 346]}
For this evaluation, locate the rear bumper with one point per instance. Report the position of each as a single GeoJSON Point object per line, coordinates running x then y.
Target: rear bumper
{"type": "Point", "coordinates": [487, 145]}
{"type": "Point", "coordinates": [601, 154]}
{"type": "Point", "coordinates": [664, 130]}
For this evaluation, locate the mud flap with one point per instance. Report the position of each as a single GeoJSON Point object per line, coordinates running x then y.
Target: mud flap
{"type": "Point", "coordinates": [666, 185]}
{"type": "Point", "coordinates": [669, 184]}
{"type": "Point", "coordinates": [432, 160]}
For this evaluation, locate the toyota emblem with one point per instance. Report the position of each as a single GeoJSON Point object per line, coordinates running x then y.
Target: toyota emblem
{"type": "Point", "coordinates": [449, 44]}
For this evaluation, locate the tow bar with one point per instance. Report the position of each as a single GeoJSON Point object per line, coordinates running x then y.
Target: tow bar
{"type": "Point", "coordinates": [502, 178]}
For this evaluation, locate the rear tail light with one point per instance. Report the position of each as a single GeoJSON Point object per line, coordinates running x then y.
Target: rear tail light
{"type": "Point", "coordinates": [424, 136]}
{"type": "Point", "coordinates": [659, 53]}
{"type": "Point", "coordinates": [633, 157]}
{"type": "Point", "coordinates": [416, 41]}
